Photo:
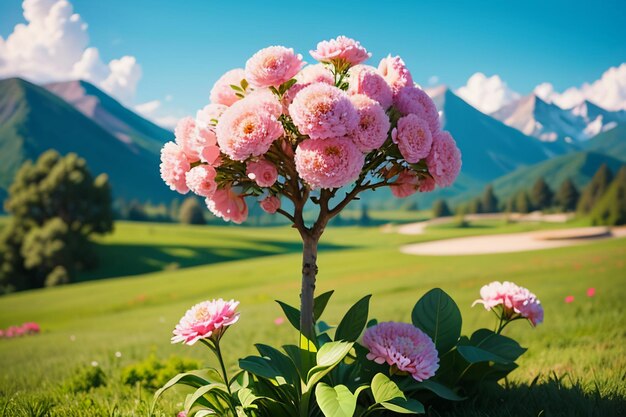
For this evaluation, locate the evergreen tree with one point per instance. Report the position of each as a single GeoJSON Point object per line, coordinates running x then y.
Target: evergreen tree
{"type": "Point", "coordinates": [541, 195]}
{"type": "Point", "coordinates": [55, 206]}
{"type": "Point", "coordinates": [364, 219]}
{"type": "Point", "coordinates": [611, 209]}
{"type": "Point", "coordinates": [489, 201]}
{"type": "Point", "coordinates": [174, 210]}
{"type": "Point", "coordinates": [441, 209]}
{"type": "Point", "coordinates": [191, 212]}
{"type": "Point", "coordinates": [522, 202]}
{"type": "Point", "coordinates": [475, 206]}
{"type": "Point", "coordinates": [136, 212]}
{"type": "Point", "coordinates": [510, 205]}
{"type": "Point", "coordinates": [595, 189]}
{"type": "Point", "coordinates": [567, 196]}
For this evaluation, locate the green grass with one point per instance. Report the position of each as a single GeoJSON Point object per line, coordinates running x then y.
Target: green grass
{"type": "Point", "coordinates": [582, 343]}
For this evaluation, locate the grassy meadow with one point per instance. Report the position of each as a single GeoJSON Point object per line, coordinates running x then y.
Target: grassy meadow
{"type": "Point", "coordinates": [576, 363]}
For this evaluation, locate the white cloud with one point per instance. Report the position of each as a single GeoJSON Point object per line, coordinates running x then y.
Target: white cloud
{"type": "Point", "coordinates": [487, 94]}
{"type": "Point", "coordinates": [433, 79]}
{"type": "Point", "coordinates": [53, 46]}
{"type": "Point", "coordinates": [608, 92]}
{"type": "Point", "coordinates": [152, 110]}
{"type": "Point", "coordinates": [148, 108]}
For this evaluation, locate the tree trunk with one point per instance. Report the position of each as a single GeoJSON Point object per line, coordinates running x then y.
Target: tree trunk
{"type": "Point", "coordinates": [309, 271]}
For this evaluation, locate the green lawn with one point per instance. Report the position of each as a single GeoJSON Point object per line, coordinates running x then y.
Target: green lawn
{"type": "Point", "coordinates": [581, 344]}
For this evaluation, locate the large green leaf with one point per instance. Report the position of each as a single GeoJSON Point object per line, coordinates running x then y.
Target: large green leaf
{"type": "Point", "coordinates": [404, 406]}
{"type": "Point", "coordinates": [195, 379]}
{"type": "Point", "coordinates": [439, 317]}
{"type": "Point", "coordinates": [319, 304]}
{"type": "Point", "coordinates": [292, 314]}
{"type": "Point", "coordinates": [280, 362]}
{"type": "Point", "coordinates": [335, 401]}
{"type": "Point", "coordinates": [498, 344]}
{"type": "Point", "coordinates": [329, 356]}
{"type": "Point", "coordinates": [384, 389]}
{"type": "Point", "coordinates": [354, 321]}
{"type": "Point", "coordinates": [440, 390]}
{"type": "Point", "coordinates": [303, 359]}
{"type": "Point", "coordinates": [261, 367]}
{"type": "Point", "coordinates": [217, 391]}
{"type": "Point", "coordinates": [472, 354]}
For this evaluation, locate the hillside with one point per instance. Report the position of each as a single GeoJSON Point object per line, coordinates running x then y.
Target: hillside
{"type": "Point", "coordinates": [611, 142]}
{"type": "Point", "coordinates": [33, 120]}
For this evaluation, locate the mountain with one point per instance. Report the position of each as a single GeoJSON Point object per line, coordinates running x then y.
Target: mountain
{"type": "Point", "coordinates": [611, 142]}
{"type": "Point", "coordinates": [125, 125]}
{"type": "Point", "coordinates": [33, 120]}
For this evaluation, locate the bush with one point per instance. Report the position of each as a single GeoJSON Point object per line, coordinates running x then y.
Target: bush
{"type": "Point", "coordinates": [86, 379]}
{"type": "Point", "coordinates": [153, 373]}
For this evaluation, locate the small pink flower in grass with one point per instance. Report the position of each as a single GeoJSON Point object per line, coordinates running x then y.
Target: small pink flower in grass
{"type": "Point", "coordinates": [403, 346]}
{"type": "Point", "coordinates": [341, 50]}
{"type": "Point", "coordinates": [222, 92]}
{"type": "Point", "coordinates": [513, 300]}
{"type": "Point", "coordinates": [270, 204]}
{"type": "Point", "coordinates": [569, 299]}
{"type": "Point", "coordinates": [206, 320]}
{"type": "Point", "coordinates": [396, 74]}
{"type": "Point", "coordinates": [328, 163]}
{"type": "Point", "coordinates": [228, 204]}
{"type": "Point", "coordinates": [174, 167]}
{"type": "Point", "coordinates": [262, 172]}
{"type": "Point", "coordinates": [273, 66]}
{"type": "Point", "coordinates": [365, 80]}
{"type": "Point", "coordinates": [413, 138]}
{"type": "Point", "coordinates": [279, 320]}
{"type": "Point", "coordinates": [371, 131]}
{"type": "Point", "coordinates": [31, 327]}
{"type": "Point", "coordinates": [444, 159]}
{"type": "Point", "coordinates": [407, 184]}
{"type": "Point", "coordinates": [181, 414]}
{"type": "Point", "coordinates": [201, 180]}
{"type": "Point", "coordinates": [591, 292]}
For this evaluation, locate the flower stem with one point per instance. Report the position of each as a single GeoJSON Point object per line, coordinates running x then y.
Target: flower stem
{"type": "Point", "coordinates": [218, 353]}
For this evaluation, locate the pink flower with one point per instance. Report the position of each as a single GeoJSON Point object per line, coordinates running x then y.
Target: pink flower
{"type": "Point", "coordinates": [591, 292]}
{"type": "Point", "coordinates": [395, 72]}
{"type": "Point", "coordinates": [329, 163]}
{"type": "Point", "coordinates": [323, 111]}
{"type": "Point", "coordinates": [407, 183]}
{"type": "Point", "coordinates": [249, 127]}
{"type": "Point", "coordinates": [413, 138]}
{"type": "Point", "coordinates": [197, 144]}
{"type": "Point", "coordinates": [206, 320]}
{"type": "Point", "coordinates": [263, 172]}
{"type": "Point", "coordinates": [513, 299]}
{"type": "Point", "coordinates": [272, 66]}
{"type": "Point", "coordinates": [365, 80]}
{"type": "Point", "coordinates": [444, 160]}
{"type": "Point", "coordinates": [174, 166]}
{"type": "Point", "coordinates": [279, 320]}
{"type": "Point", "coordinates": [340, 50]}
{"type": "Point", "coordinates": [371, 131]}
{"type": "Point", "coordinates": [201, 180]}
{"type": "Point", "coordinates": [181, 414]}
{"type": "Point", "coordinates": [403, 346]}
{"type": "Point", "coordinates": [222, 93]}
{"type": "Point", "coordinates": [270, 204]}
{"type": "Point", "coordinates": [569, 299]}
{"type": "Point", "coordinates": [317, 73]}
{"type": "Point", "coordinates": [31, 327]}
{"type": "Point", "coordinates": [414, 100]}
{"type": "Point", "coordinates": [427, 184]}
{"type": "Point", "coordinates": [209, 115]}
{"type": "Point", "coordinates": [228, 205]}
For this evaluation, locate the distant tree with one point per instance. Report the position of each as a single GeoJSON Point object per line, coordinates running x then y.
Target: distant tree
{"type": "Point", "coordinates": [475, 206]}
{"type": "Point", "coordinates": [56, 206]}
{"type": "Point", "coordinates": [412, 206]}
{"type": "Point", "coordinates": [489, 201]}
{"type": "Point", "coordinates": [541, 195]}
{"type": "Point", "coordinates": [522, 202]}
{"type": "Point", "coordinates": [595, 189]}
{"type": "Point", "coordinates": [136, 212]}
{"type": "Point", "coordinates": [567, 196]}
{"type": "Point", "coordinates": [510, 206]}
{"type": "Point", "coordinates": [611, 209]}
{"type": "Point", "coordinates": [174, 210]}
{"type": "Point", "coordinates": [364, 219]}
{"type": "Point", "coordinates": [191, 212]}
{"type": "Point", "coordinates": [441, 209]}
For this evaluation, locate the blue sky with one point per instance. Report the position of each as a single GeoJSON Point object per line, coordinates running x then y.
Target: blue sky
{"type": "Point", "coordinates": [183, 46]}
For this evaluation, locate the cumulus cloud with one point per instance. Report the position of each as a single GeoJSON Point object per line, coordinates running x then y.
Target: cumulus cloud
{"type": "Point", "coordinates": [608, 92]}
{"type": "Point", "coordinates": [487, 94]}
{"type": "Point", "coordinates": [53, 45]}
{"type": "Point", "coordinates": [152, 110]}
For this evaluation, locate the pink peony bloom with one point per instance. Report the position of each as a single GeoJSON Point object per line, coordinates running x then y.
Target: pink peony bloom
{"type": "Point", "coordinates": [403, 346]}
{"type": "Point", "coordinates": [323, 111]}
{"type": "Point", "coordinates": [272, 66]}
{"type": "Point", "coordinates": [270, 204]}
{"type": "Point", "coordinates": [222, 93]}
{"type": "Point", "coordinates": [513, 299]}
{"type": "Point", "coordinates": [395, 72]}
{"type": "Point", "coordinates": [228, 205]}
{"type": "Point", "coordinates": [317, 73]}
{"type": "Point", "coordinates": [201, 180]}
{"type": "Point", "coordinates": [206, 320]}
{"type": "Point", "coordinates": [591, 292]}
{"type": "Point", "coordinates": [365, 80]}
{"type": "Point", "coordinates": [263, 172]}
{"type": "Point", "coordinates": [209, 115]}
{"type": "Point", "coordinates": [413, 138]}
{"type": "Point", "coordinates": [407, 184]}
{"type": "Point", "coordinates": [249, 127]}
{"type": "Point", "coordinates": [427, 184]}
{"type": "Point", "coordinates": [414, 100]}
{"type": "Point", "coordinates": [340, 50]}
{"type": "Point", "coordinates": [174, 166]}
{"type": "Point", "coordinates": [444, 160]}
{"type": "Point", "coordinates": [371, 131]}
{"type": "Point", "coordinates": [197, 144]}
{"type": "Point", "coordinates": [329, 163]}
{"type": "Point", "coordinates": [569, 299]}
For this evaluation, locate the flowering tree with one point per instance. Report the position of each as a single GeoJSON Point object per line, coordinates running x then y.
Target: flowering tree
{"type": "Point", "coordinates": [279, 131]}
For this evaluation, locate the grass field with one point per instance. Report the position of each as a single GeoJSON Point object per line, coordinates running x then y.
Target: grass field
{"type": "Point", "coordinates": [579, 352]}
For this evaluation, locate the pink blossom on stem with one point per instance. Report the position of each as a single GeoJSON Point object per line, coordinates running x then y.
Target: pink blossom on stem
{"type": "Point", "coordinates": [414, 100]}
{"type": "Point", "coordinates": [270, 204]}
{"type": "Point", "coordinates": [569, 299]}
{"type": "Point", "coordinates": [404, 347]}
{"type": "Point", "coordinates": [197, 144]}
{"type": "Point", "coordinates": [272, 66]}
{"type": "Point", "coordinates": [317, 73]}
{"type": "Point", "coordinates": [444, 160]}
{"type": "Point", "coordinates": [426, 185]}
{"type": "Point", "coordinates": [174, 167]}
{"type": "Point", "coordinates": [263, 172]}
{"type": "Point", "coordinates": [340, 50]}
{"type": "Point", "coordinates": [407, 184]}
{"type": "Point", "coordinates": [366, 80]}
{"type": "Point", "coordinates": [328, 163]}
{"type": "Point", "coordinates": [222, 92]}
{"type": "Point", "coordinates": [201, 180]}
{"type": "Point", "coordinates": [413, 138]}
{"type": "Point", "coordinates": [513, 299]}
{"type": "Point", "coordinates": [228, 204]}
{"type": "Point", "coordinates": [206, 320]}
{"type": "Point", "coordinates": [373, 127]}
{"type": "Point", "coordinates": [209, 115]}
{"type": "Point", "coordinates": [591, 292]}
{"type": "Point", "coordinates": [395, 73]}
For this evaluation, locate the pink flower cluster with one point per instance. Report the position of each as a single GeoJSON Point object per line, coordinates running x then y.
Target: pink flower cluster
{"type": "Point", "coordinates": [513, 301]}
{"type": "Point", "coordinates": [25, 329]}
{"type": "Point", "coordinates": [206, 320]}
{"type": "Point", "coordinates": [277, 120]}
{"type": "Point", "coordinates": [404, 347]}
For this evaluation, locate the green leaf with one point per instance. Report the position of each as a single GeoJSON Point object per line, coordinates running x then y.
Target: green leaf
{"type": "Point", "coordinates": [292, 314]}
{"type": "Point", "coordinates": [335, 401]}
{"type": "Point", "coordinates": [259, 366]}
{"type": "Point", "coordinates": [440, 390]}
{"type": "Point", "coordinates": [220, 392]}
{"type": "Point", "coordinates": [354, 321]}
{"type": "Point", "coordinates": [404, 406]}
{"type": "Point", "coordinates": [384, 389]}
{"type": "Point", "coordinates": [319, 304]}
{"type": "Point", "coordinates": [195, 379]}
{"type": "Point", "coordinates": [329, 356]}
{"type": "Point", "coordinates": [498, 344]}
{"type": "Point", "coordinates": [244, 84]}
{"type": "Point", "coordinates": [280, 362]}
{"type": "Point", "coordinates": [303, 359]}
{"type": "Point", "coordinates": [246, 397]}
{"type": "Point", "coordinates": [472, 354]}
{"type": "Point", "coordinates": [236, 88]}
{"type": "Point", "coordinates": [438, 316]}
